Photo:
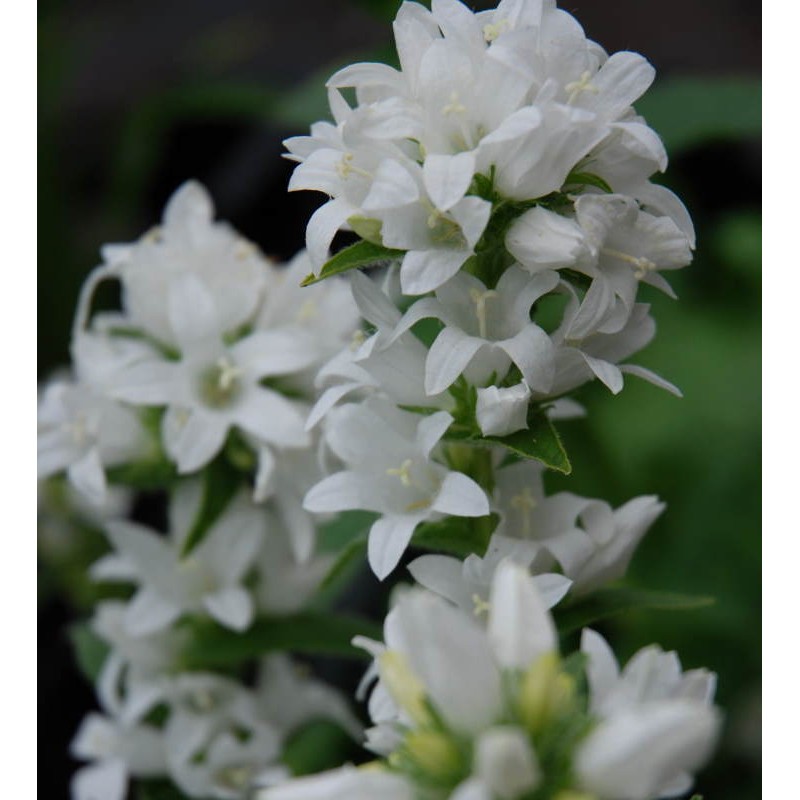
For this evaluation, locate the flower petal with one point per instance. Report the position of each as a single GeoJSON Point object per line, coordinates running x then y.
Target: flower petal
{"type": "Point", "coordinates": [388, 539]}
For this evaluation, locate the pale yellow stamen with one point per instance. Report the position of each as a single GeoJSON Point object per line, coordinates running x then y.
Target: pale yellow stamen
{"type": "Point", "coordinates": [403, 472]}
{"type": "Point", "coordinates": [480, 606]}
{"type": "Point", "coordinates": [480, 298]}
{"type": "Point", "coordinates": [583, 84]}
{"type": "Point", "coordinates": [228, 374]}
{"type": "Point", "coordinates": [307, 311]}
{"type": "Point", "coordinates": [357, 339]}
{"type": "Point", "coordinates": [524, 502]}
{"type": "Point", "coordinates": [455, 106]}
{"type": "Point", "coordinates": [641, 264]}
{"type": "Point", "coordinates": [493, 29]}
{"type": "Point", "coordinates": [153, 235]}
{"type": "Point", "coordinates": [345, 168]}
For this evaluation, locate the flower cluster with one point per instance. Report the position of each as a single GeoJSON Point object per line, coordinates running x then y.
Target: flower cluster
{"type": "Point", "coordinates": [504, 176]}
{"type": "Point", "coordinates": [499, 183]}
{"type": "Point", "coordinates": [472, 710]}
{"type": "Point", "coordinates": [198, 387]}
{"type": "Point", "coordinates": [501, 164]}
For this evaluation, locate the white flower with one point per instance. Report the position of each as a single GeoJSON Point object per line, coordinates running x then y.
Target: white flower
{"type": "Point", "coordinates": [501, 411]}
{"type": "Point", "coordinates": [208, 580]}
{"type": "Point", "coordinates": [438, 241]}
{"type": "Point", "coordinates": [468, 583]}
{"type": "Point", "coordinates": [657, 726]}
{"type": "Point", "coordinates": [215, 386]}
{"type": "Point", "coordinates": [541, 239]}
{"type": "Point", "coordinates": [581, 357]}
{"type": "Point", "coordinates": [591, 542]}
{"type": "Point", "coordinates": [285, 582]}
{"type": "Point", "coordinates": [82, 431]}
{"type": "Point", "coordinates": [349, 782]}
{"type": "Point", "coordinates": [216, 742]}
{"type": "Point", "coordinates": [486, 330]}
{"type": "Point", "coordinates": [117, 752]}
{"type": "Point", "coordinates": [389, 469]}
{"type": "Point", "coordinates": [323, 315]}
{"type": "Point", "coordinates": [505, 762]}
{"type": "Point", "coordinates": [188, 242]}
{"type": "Point", "coordinates": [391, 364]}
{"type": "Point", "coordinates": [289, 697]}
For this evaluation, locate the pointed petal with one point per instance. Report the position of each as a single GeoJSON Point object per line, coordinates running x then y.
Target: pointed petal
{"type": "Point", "coordinates": [272, 418]}
{"type": "Point", "coordinates": [231, 607]}
{"type": "Point", "coordinates": [533, 352]}
{"type": "Point", "coordinates": [149, 612]}
{"type": "Point", "coordinates": [448, 358]}
{"type": "Point", "coordinates": [192, 312]}
{"type": "Point", "coordinates": [423, 271]}
{"type": "Point", "coordinates": [460, 496]}
{"type": "Point", "coordinates": [88, 477]}
{"type": "Point", "coordinates": [388, 539]}
{"type": "Point", "coordinates": [520, 627]}
{"type": "Point", "coordinates": [447, 178]}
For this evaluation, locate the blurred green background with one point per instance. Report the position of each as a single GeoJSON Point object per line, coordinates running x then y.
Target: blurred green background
{"type": "Point", "coordinates": [137, 97]}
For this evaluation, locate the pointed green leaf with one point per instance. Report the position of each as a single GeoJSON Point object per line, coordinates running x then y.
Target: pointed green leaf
{"type": "Point", "coordinates": [588, 179]}
{"type": "Point", "coordinates": [539, 441]}
{"type": "Point", "coordinates": [360, 254]}
{"type": "Point", "coordinates": [220, 483]}
{"type": "Point", "coordinates": [312, 632]}
{"type": "Point", "coordinates": [90, 650]}
{"type": "Point", "coordinates": [611, 601]}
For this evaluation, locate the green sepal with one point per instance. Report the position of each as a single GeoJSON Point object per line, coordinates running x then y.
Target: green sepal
{"type": "Point", "coordinates": [588, 179]}
{"type": "Point", "coordinates": [368, 228]}
{"type": "Point", "coordinates": [573, 615]}
{"type": "Point", "coordinates": [360, 254]}
{"type": "Point", "coordinates": [311, 632]}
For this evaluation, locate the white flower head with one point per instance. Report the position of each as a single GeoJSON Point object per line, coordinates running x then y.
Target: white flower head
{"type": "Point", "coordinates": [188, 242]}
{"type": "Point", "coordinates": [389, 468]}
{"type": "Point", "coordinates": [207, 581]}
{"type": "Point", "coordinates": [215, 386]}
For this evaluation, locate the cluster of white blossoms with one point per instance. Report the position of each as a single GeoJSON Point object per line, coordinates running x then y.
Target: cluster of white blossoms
{"type": "Point", "coordinates": [500, 184]}
{"type": "Point", "coordinates": [199, 386]}
{"type": "Point", "coordinates": [467, 708]}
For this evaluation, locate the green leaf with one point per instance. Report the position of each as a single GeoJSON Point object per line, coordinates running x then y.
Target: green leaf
{"type": "Point", "coordinates": [220, 483]}
{"type": "Point", "coordinates": [90, 650]}
{"type": "Point", "coordinates": [687, 112]}
{"type": "Point", "coordinates": [587, 179]}
{"type": "Point", "coordinates": [459, 536]}
{"type": "Point", "coordinates": [311, 632]}
{"type": "Point", "coordinates": [540, 441]}
{"type": "Point", "coordinates": [144, 475]}
{"type": "Point", "coordinates": [612, 601]}
{"type": "Point", "coordinates": [315, 747]}
{"type": "Point", "coordinates": [158, 789]}
{"type": "Point", "coordinates": [360, 254]}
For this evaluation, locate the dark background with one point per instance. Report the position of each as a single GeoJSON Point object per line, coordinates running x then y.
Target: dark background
{"type": "Point", "coordinates": [136, 97]}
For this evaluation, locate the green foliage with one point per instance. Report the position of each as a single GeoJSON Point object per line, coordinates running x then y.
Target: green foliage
{"type": "Point", "coordinates": [157, 789]}
{"type": "Point", "coordinates": [611, 601]}
{"type": "Point", "coordinates": [315, 747]}
{"type": "Point", "coordinates": [587, 179]}
{"type": "Point", "coordinates": [360, 254]}
{"type": "Point", "coordinates": [311, 632]}
{"type": "Point", "coordinates": [220, 483]}
{"type": "Point", "coordinates": [458, 536]}
{"type": "Point", "coordinates": [688, 112]}
{"type": "Point", "coordinates": [540, 441]}
{"type": "Point", "coordinates": [90, 651]}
